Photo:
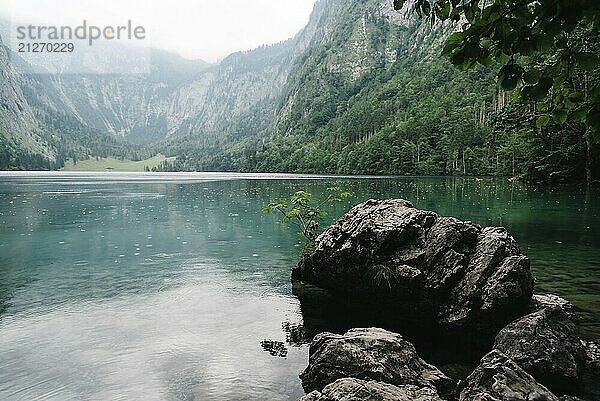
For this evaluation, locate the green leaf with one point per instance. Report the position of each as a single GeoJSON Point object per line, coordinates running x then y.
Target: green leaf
{"type": "Point", "coordinates": [442, 10]}
{"type": "Point", "coordinates": [292, 214]}
{"type": "Point", "coordinates": [449, 49]}
{"type": "Point", "coordinates": [576, 96]}
{"type": "Point", "coordinates": [472, 11]}
{"type": "Point", "coordinates": [526, 47]}
{"type": "Point", "coordinates": [579, 115]}
{"type": "Point", "coordinates": [538, 91]}
{"type": "Point", "coordinates": [509, 83]}
{"type": "Point", "coordinates": [543, 42]}
{"type": "Point", "coordinates": [455, 13]}
{"type": "Point", "coordinates": [501, 57]}
{"type": "Point", "coordinates": [491, 13]}
{"type": "Point", "coordinates": [542, 121]}
{"type": "Point", "coordinates": [587, 61]}
{"type": "Point", "coordinates": [532, 76]}
{"type": "Point", "coordinates": [535, 92]}
{"type": "Point", "coordinates": [398, 4]}
{"type": "Point", "coordinates": [509, 77]}
{"type": "Point", "coordinates": [560, 115]}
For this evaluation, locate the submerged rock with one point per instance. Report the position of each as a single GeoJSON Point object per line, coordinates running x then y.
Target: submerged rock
{"type": "Point", "coordinates": [545, 344]}
{"type": "Point", "coordinates": [349, 389]}
{"type": "Point", "coordinates": [370, 354]}
{"type": "Point", "coordinates": [431, 271]}
{"type": "Point", "coordinates": [499, 378]}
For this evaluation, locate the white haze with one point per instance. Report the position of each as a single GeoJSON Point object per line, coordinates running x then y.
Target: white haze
{"type": "Point", "coordinates": [205, 29]}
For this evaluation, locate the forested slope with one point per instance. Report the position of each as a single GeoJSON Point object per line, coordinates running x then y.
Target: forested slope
{"type": "Point", "coordinates": [406, 110]}
{"type": "Point", "coordinates": [362, 89]}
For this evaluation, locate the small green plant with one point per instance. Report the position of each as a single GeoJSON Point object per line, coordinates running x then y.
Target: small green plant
{"type": "Point", "coordinates": [382, 276]}
{"type": "Point", "coordinates": [305, 213]}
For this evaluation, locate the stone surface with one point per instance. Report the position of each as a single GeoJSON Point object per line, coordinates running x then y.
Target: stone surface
{"type": "Point", "coordinates": [498, 378]}
{"type": "Point", "coordinates": [551, 301]}
{"type": "Point", "coordinates": [433, 270]}
{"type": "Point", "coordinates": [545, 344]}
{"type": "Point", "coordinates": [591, 376]}
{"type": "Point", "coordinates": [370, 354]}
{"type": "Point", "coordinates": [349, 389]}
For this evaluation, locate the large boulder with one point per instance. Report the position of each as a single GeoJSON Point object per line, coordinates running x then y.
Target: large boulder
{"type": "Point", "coordinates": [591, 377]}
{"type": "Point", "coordinates": [430, 270]}
{"type": "Point", "coordinates": [546, 344]}
{"type": "Point", "coordinates": [370, 354]}
{"type": "Point", "coordinates": [349, 389]}
{"type": "Point", "coordinates": [551, 301]}
{"type": "Point", "coordinates": [499, 378]}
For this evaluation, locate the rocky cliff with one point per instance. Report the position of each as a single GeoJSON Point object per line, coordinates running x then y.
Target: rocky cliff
{"type": "Point", "coordinates": [237, 106]}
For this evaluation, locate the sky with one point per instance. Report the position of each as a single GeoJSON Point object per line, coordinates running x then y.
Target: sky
{"type": "Point", "coordinates": [205, 29]}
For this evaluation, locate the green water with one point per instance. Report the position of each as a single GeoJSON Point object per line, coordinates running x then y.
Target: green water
{"type": "Point", "coordinates": [176, 287]}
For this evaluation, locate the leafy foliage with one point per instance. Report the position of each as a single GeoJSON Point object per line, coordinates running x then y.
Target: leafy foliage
{"type": "Point", "coordinates": [374, 97]}
{"type": "Point", "coordinates": [544, 46]}
{"type": "Point", "coordinates": [418, 116]}
{"type": "Point", "coordinates": [303, 212]}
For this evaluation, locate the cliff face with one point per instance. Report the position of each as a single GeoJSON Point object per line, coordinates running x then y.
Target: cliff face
{"type": "Point", "coordinates": [237, 103]}
{"type": "Point", "coordinates": [19, 128]}
{"type": "Point", "coordinates": [178, 97]}
{"type": "Point", "coordinates": [352, 41]}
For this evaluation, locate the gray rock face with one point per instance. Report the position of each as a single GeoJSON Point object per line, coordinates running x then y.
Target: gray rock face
{"type": "Point", "coordinates": [348, 389]}
{"type": "Point", "coordinates": [551, 301]}
{"type": "Point", "coordinates": [18, 124]}
{"type": "Point", "coordinates": [370, 354]}
{"type": "Point", "coordinates": [591, 377]}
{"type": "Point", "coordinates": [441, 270]}
{"type": "Point", "coordinates": [499, 378]}
{"type": "Point", "coordinates": [592, 354]}
{"type": "Point", "coordinates": [546, 344]}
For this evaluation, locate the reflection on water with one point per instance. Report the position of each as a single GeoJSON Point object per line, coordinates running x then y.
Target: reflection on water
{"type": "Point", "coordinates": [176, 287]}
{"type": "Point", "coordinates": [192, 342]}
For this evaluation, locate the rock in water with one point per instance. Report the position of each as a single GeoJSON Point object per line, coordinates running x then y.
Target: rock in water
{"type": "Point", "coordinates": [429, 269]}
{"type": "Point", "coordinates": [499, 378]}
{"type": "Point", "coordinates": [551, 301]}
{"type": "Point", "coordinates": [591, 377]}
{"type": "Point", "coordinates": [370, 354]}
{"type": "Point", "coordinates": [546, 344]}
{"type": "Point", "coordinates": [348, 389]}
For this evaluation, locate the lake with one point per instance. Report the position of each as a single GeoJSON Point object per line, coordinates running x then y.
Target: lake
{"type": "Point", "coordinates": [129, 286]}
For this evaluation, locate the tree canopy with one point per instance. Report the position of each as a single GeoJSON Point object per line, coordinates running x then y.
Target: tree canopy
{"type": "Point", "coordinates": [548, 49]}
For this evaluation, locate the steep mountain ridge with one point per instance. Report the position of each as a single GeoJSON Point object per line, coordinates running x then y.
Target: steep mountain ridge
{"type": "Point", "coordinates": [19, 130]}
{"type": "Point", "coordinates": [361, 89]}
{"type": "Point", "coordinates": [364, 96]}
{"type": "Point", "coordinates": [307, 88]}
{"type": "Point", "coordinates": [233, 100]}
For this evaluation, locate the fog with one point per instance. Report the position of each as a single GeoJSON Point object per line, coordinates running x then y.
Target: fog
{"type": "Point", "coordinates": [205, 29]}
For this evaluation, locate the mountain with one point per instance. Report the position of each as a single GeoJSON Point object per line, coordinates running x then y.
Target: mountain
{"type": "Point", "coordinates": [360, 90]}
{"type": "Point", "coordinates": [18, 127]}
{"type": "Point", "coordinates": [372, 96]}
{"type": "Point", "coordinates": [203, 103]}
